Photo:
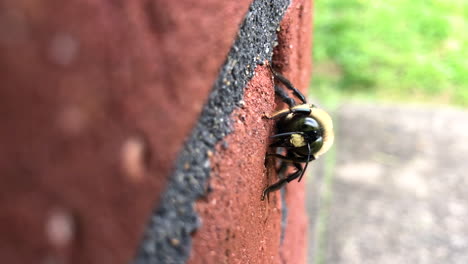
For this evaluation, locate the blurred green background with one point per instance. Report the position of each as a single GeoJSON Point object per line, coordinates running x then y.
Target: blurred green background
{"type": "Point", "coordinates": [397, 50]}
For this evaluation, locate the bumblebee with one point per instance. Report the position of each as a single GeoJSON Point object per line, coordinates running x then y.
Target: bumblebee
{"type": "Point", "coordinates": [304, 132]}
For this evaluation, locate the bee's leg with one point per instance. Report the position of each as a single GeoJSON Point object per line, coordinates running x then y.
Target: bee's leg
{"type": "Point", "coordinates": [282, 169]}
{"type": "Point", "coordinates": [298, 109]}
{"type": "Point", "coordinates": [288, 85]}
{"type": "Point", "coordinates": [283, 139]}
{"type": "Point", "coordinates": [276, 186]}
{"type": "Point", "coordinates": [284, 96]}
{"type": "Point", "coordinates": [279, 143]}
{"type": "Point", "coordinates": [279, 156]}
{"type": "Point", "coordinates": [291, 159]}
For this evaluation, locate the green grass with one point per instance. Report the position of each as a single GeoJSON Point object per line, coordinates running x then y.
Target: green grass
{"type": "Point", "coordinates": [411, 50]}
{"type": "Point", "coordinates": [326, 195]}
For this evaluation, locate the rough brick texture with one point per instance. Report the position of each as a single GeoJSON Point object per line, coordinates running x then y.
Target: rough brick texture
{"type": "Point", "coordinates": [237, 226]}
{"type": "Point", "coordinates": [97, 101]}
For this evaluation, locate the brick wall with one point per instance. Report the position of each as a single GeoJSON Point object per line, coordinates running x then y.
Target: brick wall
{"type": "Point", "coordinates": [131, 131]}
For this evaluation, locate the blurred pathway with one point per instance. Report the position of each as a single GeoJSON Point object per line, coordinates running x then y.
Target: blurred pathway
{"type": "Point", "coordinates": [396, 189]}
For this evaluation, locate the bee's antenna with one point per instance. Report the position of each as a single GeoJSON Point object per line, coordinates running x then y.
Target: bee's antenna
{"type": "Point", "coordinates": [307, 163]}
